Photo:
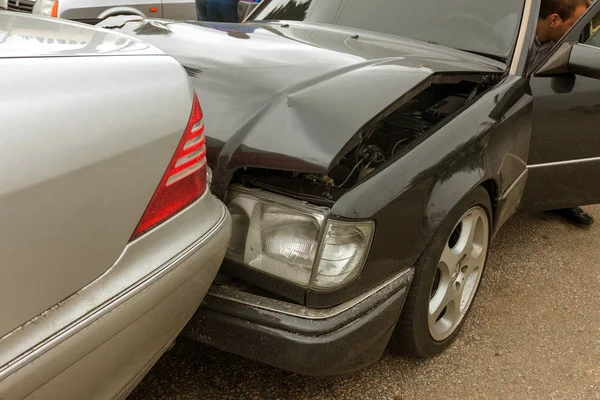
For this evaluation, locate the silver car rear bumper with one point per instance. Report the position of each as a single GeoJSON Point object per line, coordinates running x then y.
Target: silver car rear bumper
{"type": "Point", "coordinates": [100, 342]}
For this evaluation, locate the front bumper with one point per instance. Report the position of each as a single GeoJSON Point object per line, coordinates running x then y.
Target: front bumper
{"type": "Point", "coordinates": [315, 342]}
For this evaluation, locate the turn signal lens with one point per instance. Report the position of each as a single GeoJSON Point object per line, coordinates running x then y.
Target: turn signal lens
{"type": "Point", "coordinates": [54, 12]}
{"type": "Point", "coordinates": [345, 249]}
{"type": "Point", "coordinates": [185, 179]}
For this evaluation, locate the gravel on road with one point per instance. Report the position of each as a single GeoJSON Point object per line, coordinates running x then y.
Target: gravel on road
{"type": "Point", "coordinates": [534, 333]}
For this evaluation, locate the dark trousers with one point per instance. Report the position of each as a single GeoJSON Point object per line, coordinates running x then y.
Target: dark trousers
{"type": "Point", "coordinates": [201, 10]}
{"type": "Point", "coordinates": [221, 10]}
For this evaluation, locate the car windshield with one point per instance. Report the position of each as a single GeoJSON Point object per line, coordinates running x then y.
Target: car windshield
{"type": "Point", "coordinates": [480, 26]}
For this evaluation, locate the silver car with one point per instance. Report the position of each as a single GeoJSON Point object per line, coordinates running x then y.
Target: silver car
{"type": "Point", "coordinates": [109, 237]}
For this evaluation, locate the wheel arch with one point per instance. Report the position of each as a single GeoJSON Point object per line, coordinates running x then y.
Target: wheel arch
{"type": "Point", "coordinates": [416, 334]}
{"type": "Point", "coordinates": [114, 11]}
{"type": "Point", "coordinates": [448, 193]}
{"type": "Point", "coordinates": [491, 187]}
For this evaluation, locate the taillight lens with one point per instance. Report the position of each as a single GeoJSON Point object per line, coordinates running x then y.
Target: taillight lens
{"type": "Point", "coordinates": [185, 178]}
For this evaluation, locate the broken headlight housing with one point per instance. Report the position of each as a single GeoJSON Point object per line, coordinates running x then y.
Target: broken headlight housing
{"type": "Point", "coordinates": [296, 241]}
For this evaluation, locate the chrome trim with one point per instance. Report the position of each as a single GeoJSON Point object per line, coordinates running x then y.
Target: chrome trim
{"type": "Point", "coordinates": [515, 183]}
{"type": "Point", "coordinates": [567, 162]}
{"type": "Point", "coordinates": [114, 302]}
{"type": "Point", "coordinates": [24, 6]}
{"type": "Point", "coordinates": [264, 303]}
{"type": "Point", "coordinates": [514, 66]}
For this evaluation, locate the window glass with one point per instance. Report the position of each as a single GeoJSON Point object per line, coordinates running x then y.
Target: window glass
{"type": "Point", "coordinates": [594, 39]}
{"type": "Point", "coordinates": [290, 10]}
{"type": "Point", "coordinates": [482, 26]}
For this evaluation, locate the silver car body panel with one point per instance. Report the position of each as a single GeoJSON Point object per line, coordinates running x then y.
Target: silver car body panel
{"type": "Point", "coordinates": [26, 36]}
{"type": "Point", "coordinates": [80, 153]}
{"type": "Point", "coordinates": [152, 257]}
{"type": "Point", "coordinates": [72, 358]}
{"type": "Point", "coordinates": [88, 131]}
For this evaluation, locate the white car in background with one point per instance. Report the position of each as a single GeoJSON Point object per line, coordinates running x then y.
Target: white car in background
{"type": "Point", "coordinates": [93, 11]}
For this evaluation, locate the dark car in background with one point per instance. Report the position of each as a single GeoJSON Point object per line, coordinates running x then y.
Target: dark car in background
{"type": "Point", "coordinates": [368, 151]}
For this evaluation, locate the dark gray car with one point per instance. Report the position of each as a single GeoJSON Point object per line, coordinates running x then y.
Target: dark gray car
{"type": "Point", "coordinates": [368, 152]}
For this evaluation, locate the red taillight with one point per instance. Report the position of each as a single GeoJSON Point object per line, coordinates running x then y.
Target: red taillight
{"type": "Point", "coordinates": [185, 178]}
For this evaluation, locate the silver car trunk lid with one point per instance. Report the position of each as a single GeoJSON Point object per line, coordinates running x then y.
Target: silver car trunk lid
{"type": "Point", "coordinates": [24, 35]}
{"type": "Point", "coordinates": [84, 144]}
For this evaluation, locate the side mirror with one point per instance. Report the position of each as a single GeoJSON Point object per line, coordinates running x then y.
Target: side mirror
{"type": "Point", "coordinates": [573, 59]}
{"type": "Point", "coordinates": [585, 61]}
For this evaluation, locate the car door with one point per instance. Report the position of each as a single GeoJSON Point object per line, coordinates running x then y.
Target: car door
{"type": "Point", "coordinates": [564, 159]}
{"type": "Point", "coordinates": [180, 9]}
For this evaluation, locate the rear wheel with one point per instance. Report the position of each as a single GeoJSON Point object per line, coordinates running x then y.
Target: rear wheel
{"type": "Point", "coordinates": [447, 277]}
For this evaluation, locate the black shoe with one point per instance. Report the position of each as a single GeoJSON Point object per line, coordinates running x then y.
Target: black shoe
{"type": "Point", "coordinates": [576, 216]}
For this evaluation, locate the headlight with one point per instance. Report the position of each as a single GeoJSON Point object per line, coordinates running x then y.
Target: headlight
{"type": "Point", "coordinates": [295, 241]}
{"type": "Point", "coordinates": [46, 7]}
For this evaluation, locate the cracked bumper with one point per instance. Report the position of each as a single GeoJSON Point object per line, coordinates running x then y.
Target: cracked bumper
{"type": "Point", "coordinates": [318, 342]}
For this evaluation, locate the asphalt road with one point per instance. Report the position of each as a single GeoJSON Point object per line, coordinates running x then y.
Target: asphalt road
{"type": "Point", "coordinates": [534, 333]}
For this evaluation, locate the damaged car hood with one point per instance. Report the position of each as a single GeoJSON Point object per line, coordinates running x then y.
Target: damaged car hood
{"type": "Point", "coordinates": [292, 95]}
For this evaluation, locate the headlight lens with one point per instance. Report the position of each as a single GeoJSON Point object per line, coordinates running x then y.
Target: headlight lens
{"type": "Point", "coordinates": [285, 238]}
{"type": "Point", "coordinates": [46, 7]}
{"type": "Point", "coordinates": [275, 239]}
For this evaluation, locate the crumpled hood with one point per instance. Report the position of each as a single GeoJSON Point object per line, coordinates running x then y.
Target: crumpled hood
{"type": "Point", "coordinates": [291, 96]}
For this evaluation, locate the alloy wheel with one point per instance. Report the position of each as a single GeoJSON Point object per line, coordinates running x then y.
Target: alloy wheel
{"type": "Point", "coordinates": [458, 273]}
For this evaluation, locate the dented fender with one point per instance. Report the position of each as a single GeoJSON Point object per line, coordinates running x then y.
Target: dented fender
{"type": "Point", "coordinates": [412, 196]}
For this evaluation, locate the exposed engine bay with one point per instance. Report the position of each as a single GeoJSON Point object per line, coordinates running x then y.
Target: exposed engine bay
{"type": "Point", "coordinates": [386, 138]}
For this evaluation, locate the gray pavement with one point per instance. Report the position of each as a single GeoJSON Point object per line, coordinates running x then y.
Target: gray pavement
{"type": "Point", "coordinates": [534, 333]}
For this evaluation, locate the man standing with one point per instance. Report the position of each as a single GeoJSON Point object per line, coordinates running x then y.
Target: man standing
{"type": "Point", "coordinates": [555, 19]}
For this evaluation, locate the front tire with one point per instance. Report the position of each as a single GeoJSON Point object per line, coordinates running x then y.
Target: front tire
{"type": "Point", "coordinates": [446, 280]}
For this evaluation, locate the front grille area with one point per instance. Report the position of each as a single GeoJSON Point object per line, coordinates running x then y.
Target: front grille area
{"type": "Point", "coordinates": [21, 5]}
